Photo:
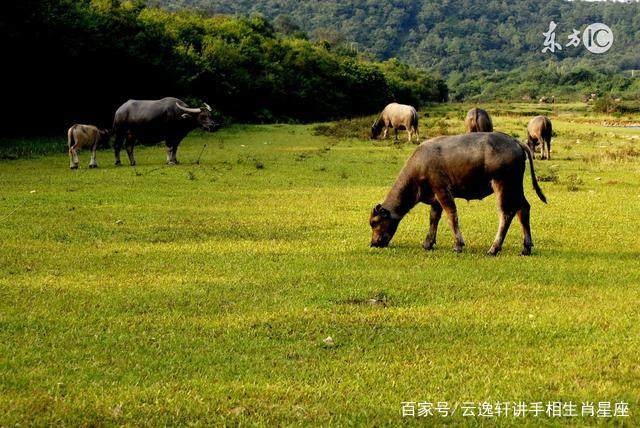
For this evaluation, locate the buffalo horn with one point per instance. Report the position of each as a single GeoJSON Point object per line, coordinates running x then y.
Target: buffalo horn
{"type": "Point", "coordinates": [189, 110]}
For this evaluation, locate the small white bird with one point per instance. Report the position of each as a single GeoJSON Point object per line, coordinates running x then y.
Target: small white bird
{"type": "Point", "coordinates": [329, 341]}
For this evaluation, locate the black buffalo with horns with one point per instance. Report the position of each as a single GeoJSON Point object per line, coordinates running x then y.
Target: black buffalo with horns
{"type": "Point", "coordinates": [154, 121]}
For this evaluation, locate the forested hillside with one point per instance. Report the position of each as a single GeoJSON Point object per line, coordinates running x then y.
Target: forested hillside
{"type": "Point", "coordinates": [466, 41]}
{"type": "Point", "coordinates": [448, 35]}
{"type": "Point", "coordinates": [73, 61]}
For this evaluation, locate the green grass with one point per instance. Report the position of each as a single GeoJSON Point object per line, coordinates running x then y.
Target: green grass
{"type": "Point", "coordinates": [26, 148]}
{"type": "Point", "coordinates": [201, 294]}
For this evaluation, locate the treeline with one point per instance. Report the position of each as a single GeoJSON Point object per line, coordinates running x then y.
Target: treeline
{"type": "Point", "coordinates": [77, 60]}
{"type": "Point", "coordinates": [470, 42]}
{"type": "Point", "coordinates": [532, 83]}
{"type": "Point", "coordinates": [450, 35]}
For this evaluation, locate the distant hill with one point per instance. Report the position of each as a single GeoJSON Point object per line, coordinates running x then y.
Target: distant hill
{"type": "Point", "coordinates": [450, 35]}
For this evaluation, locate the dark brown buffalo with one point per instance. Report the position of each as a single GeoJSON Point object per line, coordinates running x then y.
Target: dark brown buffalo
{"type": "Point", "coordinates": [153, 121]}
{"type": "Point", "coordinates": [469, 166]}
{"type": "Point", "coordinates": [539, 131]}
{"type": "Point", "coordinates": [478, 120]}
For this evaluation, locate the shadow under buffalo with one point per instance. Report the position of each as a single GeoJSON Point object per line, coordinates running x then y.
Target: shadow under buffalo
{"type": "Point", "coordinates": [479, 250]}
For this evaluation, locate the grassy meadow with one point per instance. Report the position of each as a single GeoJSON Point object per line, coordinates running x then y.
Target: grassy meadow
{"type": "Point", "coordinates": [202, 294]}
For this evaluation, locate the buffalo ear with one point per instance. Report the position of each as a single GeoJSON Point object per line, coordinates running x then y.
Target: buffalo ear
{"type": "Point", "coordinates": [377, 208]}
{"type": "Point", "coordinates": [186, 115]}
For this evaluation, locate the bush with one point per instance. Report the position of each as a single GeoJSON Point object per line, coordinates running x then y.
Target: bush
{"type": "Point", "coordinates": [605, 104]}
{"type": "Point", "coordinates": [346, 128]}
{"type": "Point", "coordinates": [110, 51]}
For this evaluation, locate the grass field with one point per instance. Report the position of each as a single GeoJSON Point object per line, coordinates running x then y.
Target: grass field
{"type": "Point", "coordinates": [201, 294]}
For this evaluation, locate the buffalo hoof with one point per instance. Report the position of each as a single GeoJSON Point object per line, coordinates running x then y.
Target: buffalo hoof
{"type": "Point", "coordinates": [73, 167]}
{"type": "Point", "coordinates": [457, 249]}
{"type": "Point", "coordinates": [171, 163]}
{"type": "Point", "coordinates": [493, 251]}
{"type": "Point", "coordinates": [428, 246]}
{"type": "Point", "coordinates": [118, 163]}
{"type": "Point", "coordinates": [133, 164]}
{"type": "Point", "coordinates": [526, 251]}
{"type": "Point", "coordinates": [93, 166]}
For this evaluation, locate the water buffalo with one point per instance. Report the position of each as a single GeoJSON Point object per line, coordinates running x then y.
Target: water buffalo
{"type": "Point", "coordinates": [396, 116]}
{"type": "Point", "coordinates": [168, 120]}
{"type": "Point", "coordinates": [469, 166]}
{"type": "Point", "coordinates": [478, 120]}
{"type": "Point", "coordinates": [84, 136]}
{"type": "Point", "coordinates": [539, 130]}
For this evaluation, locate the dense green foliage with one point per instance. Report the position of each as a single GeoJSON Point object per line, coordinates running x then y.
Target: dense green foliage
{"type": "Point", "coordinates": [472, 42]}
{"type": "Point", "coordinates": [530, 83]}
{"type": "Point", "coordinates": [453, 34]}
{"type": "Point", "coordinates": [78, 60]}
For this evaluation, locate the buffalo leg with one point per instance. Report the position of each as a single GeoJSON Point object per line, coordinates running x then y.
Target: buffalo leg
{"type": "Point", "coordinates": [93, 163]}
{"type": "Point", "coordinates": [73, 157]}
{"type": "Point", "coordinates": [434, 219]}
{"type": "Point", "coordinates": [508, 203]}
{"type": "Point", "coordinates": [524, 217]}
{"type": "Point", "coordinates": [505, 221]}
{"type": "Point", "coordinates": [449, 206]}
{"type": "Point", "coordinates": [130, 144]}
{"type": "Point", "coordinates": [549, 150]}
{"type": "Point", "coordinates": [410, 134]}
{"type": "Point", "coordinates": [117, 146]}
{"type": "Point", "coordinates": [395, 133]}
{"type": "Point", "coordinates": [548, 145]}
{"type": "Point", "coordinates": [171, 154]}
{"type": "Point", "coordinates": [385, 133]}
{"type": "Point", "coordinates": [175, 154]}
{"type": "Point", "coordinates": [544, 154]}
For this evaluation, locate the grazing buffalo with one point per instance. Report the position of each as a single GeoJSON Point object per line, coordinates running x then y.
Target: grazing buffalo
{"type": "Point", "coordinates": [469, 166]}
{"type": "Point", "coordinates": [396, 116]}
{"type": "Point", "coordinates": [539, 131]}
{"type": "Point", "coordinates": [84, 136]}
{"type": "Point", "coordinates": [478, 120]}
{"type": "Point", "coordinates": [168, 120]}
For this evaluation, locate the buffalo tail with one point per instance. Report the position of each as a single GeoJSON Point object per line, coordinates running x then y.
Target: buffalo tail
{"type": "Point", "coordinates": [71, 142]}
{"type": "Point", "coordinates": [534, 180]}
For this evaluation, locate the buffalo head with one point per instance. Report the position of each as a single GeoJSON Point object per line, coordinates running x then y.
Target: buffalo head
{"type": "Point", "coordinates": [201, 115]}
{"type": "Point", "coordinates": [383, 226]}
{"type": "Point", "coordinates": [376, 129]}
{"type": "Point", "coordinates": [103, 137]}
